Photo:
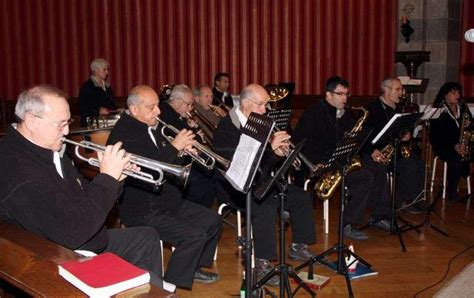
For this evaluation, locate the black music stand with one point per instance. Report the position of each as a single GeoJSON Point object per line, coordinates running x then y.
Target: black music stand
{"type": "Point", "coordinates": [340, 160]}
{"type": "Point", "coordinates": [257, 128]}
{"type": "Point", "coordinates": [283, 269]}
{"type": "Point", "coordinates": [392, 130]}
{"type": "Point", "coordinates": [281, 118]}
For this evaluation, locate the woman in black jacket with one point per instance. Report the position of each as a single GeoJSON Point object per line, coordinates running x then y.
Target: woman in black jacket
{"type": "Point", "coordinates": [445, 135]}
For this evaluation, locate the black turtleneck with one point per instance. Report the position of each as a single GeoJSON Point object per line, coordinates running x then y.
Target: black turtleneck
{"type": "Point", "coordinates": [321, 129]}
{"type": "Point", "coordinates": [69, 211]}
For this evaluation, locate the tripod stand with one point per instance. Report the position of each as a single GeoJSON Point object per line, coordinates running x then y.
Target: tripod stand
{"type": "Point", "coordinates": [282, 268]}
{"type": "Point", "coordinates": [340, 248]}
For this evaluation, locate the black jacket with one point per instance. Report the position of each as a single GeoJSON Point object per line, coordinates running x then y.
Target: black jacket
{"type": "Point", "coordinates": [138, 198]}
{"type": "Point", "coordinates": [321, 129]}
{"type": "Point", "coordinates": [92, 98]}
{"type": "Point", "coordinates": [69, 211]}
{"type": "Point", "coordinates": [226, 140]}
{"type": "Point", "coordinates": [217, 98]}
{"type": "Point", "coordinates": [379, 115]}
{"type": "Point", "coordinates": [444, 134]}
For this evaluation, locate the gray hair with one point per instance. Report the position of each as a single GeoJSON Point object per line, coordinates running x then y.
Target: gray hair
{"type": "Point", "coordinates": [179, 91]}
{"type": "Point", "coordinates": [31, 100]}
{"type": "Point", "coordinates": [98, 63]}
{"type": "Point", "coordinates": [134, 97]}
{"type": "Point", "coordinates": [197, 90]}
{"type": "Point", "coordinates": [247, 93]}
{"type": "Point", "coordinates": [387, 82]}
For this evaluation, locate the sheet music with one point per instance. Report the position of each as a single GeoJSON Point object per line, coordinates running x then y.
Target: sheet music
{"type": "Point", "coordinates": [382, 132]}
{"type": "Point", "coordinates": [432, 113]}
{"type": "Point", "coordinates": [242, 162]}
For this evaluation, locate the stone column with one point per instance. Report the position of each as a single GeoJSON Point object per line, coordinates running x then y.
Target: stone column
{"type": "Point", "coordinates": [437, 26]}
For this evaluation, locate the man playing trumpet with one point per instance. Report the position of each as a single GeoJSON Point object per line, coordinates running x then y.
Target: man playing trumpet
{"type": "Point", "coordinates": [192, 229]}
{"type": "Point", "coordinates": [43, 193]}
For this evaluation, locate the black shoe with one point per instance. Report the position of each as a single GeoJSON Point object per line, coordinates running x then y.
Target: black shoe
{"type": "Point", "coordinates": [300, 252]}
{"type": "Point", "coordinates": [383, 224]}
{"type": "Point", "coordinates": [354, 233]}
{"type": "Point", "coordinates": [263, 267]}
{"type": "Point", "coordinates": [205, 277]}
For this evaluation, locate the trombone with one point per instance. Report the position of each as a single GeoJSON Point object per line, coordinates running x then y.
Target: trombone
{"type": "Point", "coordinates": [182, 172]}
{"type": "Point", "coordinates": [212, 157]}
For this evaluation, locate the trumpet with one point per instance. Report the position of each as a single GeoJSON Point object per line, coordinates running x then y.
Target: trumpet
{"type": "Point", "coordinates": [212, 157]}
{"type": "Point", "coordinates": [220, 110]}
{"type": "Point", "coordinates": [301, 158]}
{"type": "Point", "coordinates": [182, 172]}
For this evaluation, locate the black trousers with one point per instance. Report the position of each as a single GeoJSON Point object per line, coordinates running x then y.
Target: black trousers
{"type": "Point", "coordinates": [359, 184]}
{"type": "Point", "coordinates": [139, 246]}
{"type": "Point", "coordinates": [299, 205]}
{"type": "Point", "coordinates": [193, 232]}
{"type": "Point", "coordinates": [379, 195]}
{"type": "Point", "coordinates": [201, 189]}
{"type": "Point", "coordinates": [411, 178]}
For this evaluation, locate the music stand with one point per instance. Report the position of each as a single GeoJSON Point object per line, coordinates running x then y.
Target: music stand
{"type": "Point", "coordinates": [257, 129]}
{"type": "Point", "coordinates": [283, 269]}
{"type": "Point", "coordinates": [342, 157]}
{"type": "Point", "coordinates": [397, 124]}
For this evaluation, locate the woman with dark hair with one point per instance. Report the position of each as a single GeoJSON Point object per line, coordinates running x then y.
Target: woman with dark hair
{"type": "Point", "coordinates": [445, 132]}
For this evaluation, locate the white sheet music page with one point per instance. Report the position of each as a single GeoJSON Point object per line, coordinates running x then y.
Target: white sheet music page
{"type": "Point", "coordinates": [241, 164]}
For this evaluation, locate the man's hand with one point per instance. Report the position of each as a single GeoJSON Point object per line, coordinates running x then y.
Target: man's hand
{"type": "Point", "coordinates": [183, 140]}
{"type": "Point", "coordinates": [280, 143]}
{"type": "Point", "coordinates": [378, 156]}
{"type": "Point", "coordinates": [460, 149]}
{"type": "Point", "coordinates": [113, 161]}
{"type": "Point", "coordinates": [406, 136]}
{"type": "Point", "coordinates": [103, 111]}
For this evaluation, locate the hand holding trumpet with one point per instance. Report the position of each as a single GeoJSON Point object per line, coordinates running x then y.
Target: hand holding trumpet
{"type": "Point", "coordinates": [280, 143]}
{"type": "Point", "coordinates": [114, 160]}
{"type": "Point", "coordinates": [184, 140]}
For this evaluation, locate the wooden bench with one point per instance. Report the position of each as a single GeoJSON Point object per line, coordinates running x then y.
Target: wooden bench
{"type": "Point", "coordinates": [29, 267]}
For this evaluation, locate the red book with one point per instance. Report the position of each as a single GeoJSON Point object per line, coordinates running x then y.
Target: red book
{"type": "Point", "coordinates": [103, 275]}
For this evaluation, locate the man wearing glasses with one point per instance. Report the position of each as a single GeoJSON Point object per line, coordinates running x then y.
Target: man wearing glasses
{"type": "Point", "coordinates": [323, 124]}
{"type": "Point", "coordinates": [254, 98]}
{"type": "Point", "coordinates": [411, 179]}
{"type": "Point", "coordinates": [175, 112]}
{"type": "Point", "coordinates": [42, 192]}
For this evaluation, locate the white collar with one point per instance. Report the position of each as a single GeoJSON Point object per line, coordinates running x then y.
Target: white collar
{"type": "Point", "coordinates": [241, 116]}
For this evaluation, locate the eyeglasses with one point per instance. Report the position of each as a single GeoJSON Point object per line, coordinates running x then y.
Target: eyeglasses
{"type": "Point", "coordinates": [347, 94]}
{"type": "Point", "coordinates": [60, 125]}
{"type": "Point", "coordinates": [260, 104]}
{"type": "Point", "coordinates": [187, 103]}
{"type": "Point", "coordinates": [396, 89]}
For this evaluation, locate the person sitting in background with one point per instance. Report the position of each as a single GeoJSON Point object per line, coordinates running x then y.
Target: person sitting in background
{"type": "Point", "coordinates": [220, 90]}
{"type": "Point", "coordinates": [202, 105]}
{"type": "Point", "coordinates": [43, 192]}
{"type": "Point", "coordinates": [445, 136]}
{"type": "Point", "coordinates": [95, 96]}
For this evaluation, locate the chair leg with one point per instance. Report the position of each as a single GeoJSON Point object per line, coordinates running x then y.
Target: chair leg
{"type": "Point", "coordinates": [219, 211]}
{"type": "Point", "coordinates": [239, 225]}
{"type": "Point", "coordinates": [326, 216]}
{"type": "Point", "coordinates": [468, 181]}
{"type": "Point", "coordinates": [162, 261]}
{"type": "Point", "coordinates": [433, 174]}
{"type": "Point", "coordinates": [445, 175]}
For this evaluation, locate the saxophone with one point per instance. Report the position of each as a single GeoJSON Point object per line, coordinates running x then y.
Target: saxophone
{"type": "Point", "coordinates": [328, 183]}
{"type": "Point", "coordinates": [465, 135]}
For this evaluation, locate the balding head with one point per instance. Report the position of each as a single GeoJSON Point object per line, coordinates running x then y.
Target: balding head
{"type": "Point", "coordinates": [143, 103]}
{"type": "Point", "coordinates": [253, 98]}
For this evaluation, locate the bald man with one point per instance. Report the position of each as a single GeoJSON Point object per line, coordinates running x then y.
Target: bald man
{"type": "Point", "coordinates": [254, 98]}
{"type": "Point", "coordinates": [191, 229]}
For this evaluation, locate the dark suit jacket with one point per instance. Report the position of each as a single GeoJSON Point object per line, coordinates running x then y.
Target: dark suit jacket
{"type": "Point", "coordinates": [140, 199]}
{"type": "Point", "coordinates": [217, 98]}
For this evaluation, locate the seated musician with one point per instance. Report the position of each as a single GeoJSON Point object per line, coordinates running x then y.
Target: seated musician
{"type": "Point", "coordinates": [322, 125]}
{"type": "Point", "coordinates": [203, 106]}
{"type": "Point", "coordinates": [445, 136]}
{"type": "Point", "coordinates": [411, 169]}
{"type": "Point", "coordinates": [95, 96]}
{"type": "Point", "coordinates": [220, 90]}
{"type": "Point", "coordinates": [175, 111]}
{"type": "Point", "coordinates": [192, 229]}
{"type": "Point", "coordinates": [254, 98]}
{"type": "Point", "coordinates": [43, 192]}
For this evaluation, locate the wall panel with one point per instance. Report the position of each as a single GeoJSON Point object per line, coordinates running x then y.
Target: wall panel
{"type": "Point", "coordinates": [467, 50]}
{"type": "Point", "coordinates": [173, 41]}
